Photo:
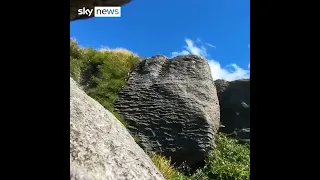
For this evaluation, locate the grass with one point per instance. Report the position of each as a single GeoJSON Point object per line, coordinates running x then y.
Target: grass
{"type": "Point", "coordinates": [164, 166]}
{"type": "Point", "coordinates": [102, 73]}
{"type": "Point", "coordinates": [229, 161]}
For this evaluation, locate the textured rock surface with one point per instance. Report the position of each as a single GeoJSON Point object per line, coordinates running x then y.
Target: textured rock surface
{"type": "Point", "coordinates": [77, 4]}
{"type": "Point", "coordinates": [100, 146]}
{"type": "Point", "coordinates": [234, 99]}
{"type": "Point", "coordinates": [172, 107]}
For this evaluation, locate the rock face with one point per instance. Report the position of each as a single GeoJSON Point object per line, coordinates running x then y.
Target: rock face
{"type": "Point", "coordinates": [172, 107]}
{"type": "Point", "coordinates": [234, 99]}
{"type": "Point", "coordinates": [77, 4]}
{"type": "Point", "coordinates": [100, 146]}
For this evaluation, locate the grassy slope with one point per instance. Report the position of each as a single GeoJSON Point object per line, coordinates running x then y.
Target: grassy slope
{"type": "Point", "coordinates": [102, 73]}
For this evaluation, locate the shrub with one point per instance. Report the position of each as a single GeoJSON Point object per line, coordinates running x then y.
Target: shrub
{"type": "Point", "coordinates": [229, 161]}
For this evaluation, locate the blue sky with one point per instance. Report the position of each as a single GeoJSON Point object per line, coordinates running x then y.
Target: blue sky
{"type": "Point", "coordinates": [218, 30]}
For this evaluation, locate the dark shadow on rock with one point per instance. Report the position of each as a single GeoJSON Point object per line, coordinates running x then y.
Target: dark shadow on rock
{"type": "Point", "coordinates": [234, 100]}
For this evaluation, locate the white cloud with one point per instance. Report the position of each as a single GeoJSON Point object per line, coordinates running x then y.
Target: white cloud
{"type": "Point", "coordinates": [201, 51]}
{"type": "Point", "coordinates": [184, 52]}
{"type": "Point", "coordinates": [192, 49]}
{"type": "Point", "coordinates": [229, 73]}
{"type": "Point", "coordinates": [208, 44]}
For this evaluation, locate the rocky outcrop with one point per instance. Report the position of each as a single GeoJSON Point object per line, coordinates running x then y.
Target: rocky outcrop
{"type": "Point", "coordinates": [172, 107]}
{"type": "Point", "coordinates": [234, 99]}
{"type": "Point", "coordinates": [100, 146]}
{"type": "Point", "coordinates": [77, 4]}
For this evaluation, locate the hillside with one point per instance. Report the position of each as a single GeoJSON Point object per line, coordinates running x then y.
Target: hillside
{"type": "Point", "coordinates": [103, 74]}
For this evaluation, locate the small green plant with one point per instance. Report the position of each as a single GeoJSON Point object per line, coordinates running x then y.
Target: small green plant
{"type": "Point", "coordinates": [229, 161]}
{"type": "Point", "coordinates": [136, 138]}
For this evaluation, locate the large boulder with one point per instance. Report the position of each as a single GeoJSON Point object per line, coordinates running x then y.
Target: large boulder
{"type": "Point", "coordinates": [78, 4]}
{"type": "Point", "coordinates": [100, 146]}
{"type": "Point", "coordinates": [234, 99]}
{"type": "Point", "coordinates": [172, 107]}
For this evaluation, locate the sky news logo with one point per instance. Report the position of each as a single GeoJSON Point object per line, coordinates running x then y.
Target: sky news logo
{"type": "Point", "coordinates": [100, 11]}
